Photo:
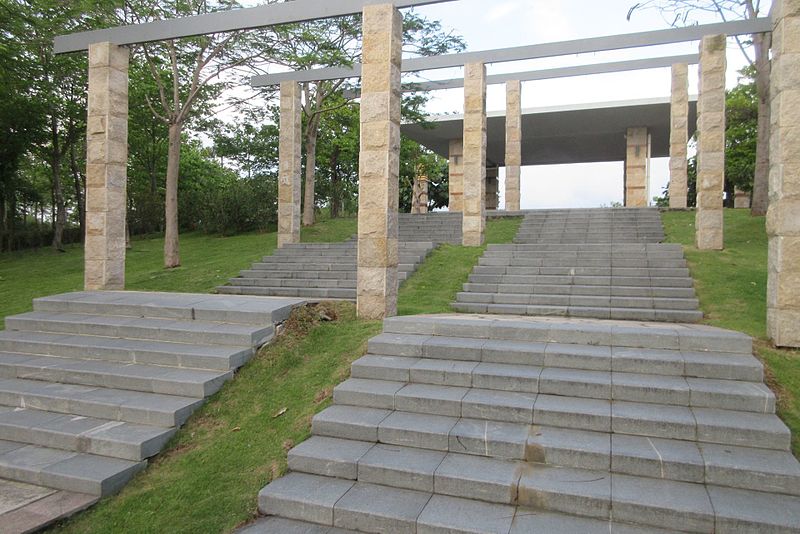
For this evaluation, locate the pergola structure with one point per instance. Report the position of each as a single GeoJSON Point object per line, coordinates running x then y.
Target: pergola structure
{"type": "Point", "coordinates": [380, 136]}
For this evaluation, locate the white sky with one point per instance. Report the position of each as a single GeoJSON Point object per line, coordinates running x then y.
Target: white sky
{"type": "Point", "coordinates": [489, 24]}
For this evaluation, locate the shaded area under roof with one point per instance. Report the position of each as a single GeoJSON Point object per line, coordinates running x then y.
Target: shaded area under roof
{"type": "Point", "coordinates": [584, 133]}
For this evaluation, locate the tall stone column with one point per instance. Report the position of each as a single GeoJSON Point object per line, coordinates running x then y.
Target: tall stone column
{"type": "Point", "coordinates": [637, 168]}
{"type": "Point", "coordinates": [106, 167]}
{"type": "Point", "coordinates": [419, 192]}
{"type": "Point", "coordinates": [456, 179]}
{"type": "Point", "coordinates": [492, 188]}
{"type": "Point", "coordinates": [711, 143]}
{"type": "Point", "coordinates": [379, 162]}
{"type": "Point", "coordinates": [679, 137]}
{"type": "Point", "coordinates": [474, 219]}
{"type": "Point", "coordinates": [783, 215]}
{"type": "Point", "coordinates": [289, 165]}
{"type": "Point", "coordinates": [513, 143]}
{"type": "Point", "coordinates": [741, 199]}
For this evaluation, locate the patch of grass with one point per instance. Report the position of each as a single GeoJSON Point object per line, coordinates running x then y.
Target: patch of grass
{"type": "Point", "coordinates": [434, 286]}
{"type": "Point", "coordinates": [206, 262]}
{"type": "Point", "coordinates": [208, 478]}
{"type": "Point", "coordinates": [731, 285]}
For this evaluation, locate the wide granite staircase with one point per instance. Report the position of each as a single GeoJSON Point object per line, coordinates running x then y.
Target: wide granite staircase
{"type": "Point", "coordinates": [506, 424]}
{"type": "Point", "coordinates": [599, 263]}
{"type": "Point", "coordinates": [438, 227]}
{"type": "Point", "coordinates": [92, 384]}
{"type": "Point", "coordinates": [316, 271]}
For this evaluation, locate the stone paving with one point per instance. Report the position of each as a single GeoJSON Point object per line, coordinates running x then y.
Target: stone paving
{"type": "Point", "coordinates": [92, 384]}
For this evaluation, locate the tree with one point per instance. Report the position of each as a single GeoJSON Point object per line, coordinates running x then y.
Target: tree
{"type": "Point", "coordinates": [679, 12]}
{"type": "Point", "coordinates": [188, 76]}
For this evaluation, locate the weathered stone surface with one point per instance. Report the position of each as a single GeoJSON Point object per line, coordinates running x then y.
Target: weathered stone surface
{"type": "Point", "coordinates": [379, 162]}
{"type": "Point", "coordinates": [513, 143]}
{"type": "Point", "coordinates": [492, 188]}
{"type": "Point", "coordinates": [456, 181]}
{"type": "Point", "coordinates": [637, 168]}
{"type": "Point", "coordinates": [474, 219]}
{"type": "Point", "coordinates": [289, 166]}
{"type": "Point", "coordinates": [783, 216]}
{"type": "Point", "coordinates": [679, 136]}
{"type": "Point", "coordinates": [106, 167]}
{"type": "Point", "coordinates": [451, 514]}
{"type": "Point", "coordinates": [711, 143]}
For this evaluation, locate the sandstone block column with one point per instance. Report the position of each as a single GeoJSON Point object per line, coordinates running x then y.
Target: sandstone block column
{"type": "Point", "coordinates": [379, 162]}
{"type": "Point", "coordinates": [289, 165]}
{"type": "Point", "coordinates": [679, 137]}
{"type": "Point", "coordinates": [783, 215]}
{"type": "Point", "coordinates": [637, 168]}
{"type": "Point", "coordinates": [419, 192]}
{"type": "Point", "coordinates": [741, 199]}
{"type": "Point", "coordinates": [456, 180]}
{"type": "Point", "coordinates": [106, 167]}
{"type": "Point", "coordinates": [474, 219]}
{"type": "Point", "coordinates": [513, 143]}
{"type": "Point", "coordinates": [711, 143]}
{"type": "Point", "coordinates": [492, 188]}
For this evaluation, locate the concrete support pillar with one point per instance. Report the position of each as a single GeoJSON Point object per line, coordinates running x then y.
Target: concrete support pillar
{"type": "Point", "coordinates": [456, 180]}
{"type": "Point", "coordinates": [474, 219]}
{"type": "Point", "coordinates": [379, 162]}
{"type": "Point", "coordinates": [637, 168]}
{"type": "Point", "coordinates": [679, 137]}
{"type": "Point", "coordinates": [741, 199]}
{"type": "Point", "coordinates": [513, 143]}
{"type": "Point", "coordinates": [711, 143]}
{"type": "Point", "coordinates": [106, 167]}
{"type": "Point", "coordinates": [289, 150]}
{"type": "Point", "coordinates": [492, 188]}
{"type": "Point", "coordinates": [783, 215]}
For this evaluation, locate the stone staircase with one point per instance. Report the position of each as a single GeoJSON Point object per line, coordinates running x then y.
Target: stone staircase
{"type": "Point", "coordinates": [438, 227]}
{"type": "Point", "coordinates": [519, 425]}
{"type": "Point", "coordinates": [316, 271]}
{"type": "Point", "coordinates": [92, 384]}
{"type": "Point", "coordinates": [599, 225]}
{"type": "Point", "coordinates": [628, 278]}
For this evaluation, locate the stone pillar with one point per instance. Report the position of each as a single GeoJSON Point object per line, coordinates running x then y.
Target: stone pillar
{"type": "Point", "coordinates": [474, 219]}
{"type": "Point", "coordinates": [456, 180]}
{"type": "Point", "coordinates": [783, 215]}
{"type": "Point", "coordinates": [492, 188]}
{"type": "Point", "coordinates": [419, 192]}
{"type": "Point", "coordinates": [379, 162]}
{"type": "Point", "coordinates": [679, 137]}
{"type": "Point", "coordinates": [289, 153]}
{"type": "Point", "coordinates": [741, 199]}
{"type": "Point", "coordinates": [106, 167]}
{"type": "Point", "coordinates": [513, 143]}
{"type": "Point", "coordinates": [637, 168]}
{"type": "Point", "coordinates": [711, 143]}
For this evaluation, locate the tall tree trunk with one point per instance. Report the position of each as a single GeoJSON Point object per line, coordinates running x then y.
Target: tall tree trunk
{"type": "Point", "coordinates": [171, 247]}
{"type": "Point", "coordinates": [58, 188]}
{"type": "Point", "coordinates": [79, 182]}
{"type": "Point", "coordinates": [760, 202]}
{"type": "Point", "coordinates": [3, 225]}
{"type": "Point", "coordinates": [336, 195]}
{"type": "Point", "coordinates": [311, 165]}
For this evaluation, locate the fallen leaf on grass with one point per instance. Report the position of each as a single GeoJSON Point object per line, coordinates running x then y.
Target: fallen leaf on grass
{"type": "Point", "coordinates": [236, 429]}
{"type": "Point", "coordinates": [280, 413]}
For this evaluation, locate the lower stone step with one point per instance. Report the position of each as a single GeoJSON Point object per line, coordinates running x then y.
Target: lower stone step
{"type": "Point", "coordinates": [70, 471]}
{"type": "Point", "coordinates": [555, 492]}
{"type": "Point", "coordinates": [626, 314]}
{"type": "Point", "coordinates": [104, 403]}
{"type": "Point", "coordinates": [116, 439]}
{"type": "Point", "coordinates": [727, 427]}
{"type": "Point", "coordinates": [307, 293]}
{"type": "Point", "coordinates": [475, 293]}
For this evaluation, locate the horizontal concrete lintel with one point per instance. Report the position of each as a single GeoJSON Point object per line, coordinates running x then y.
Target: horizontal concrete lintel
{"type": "Point", "coordinates": [223, 21]}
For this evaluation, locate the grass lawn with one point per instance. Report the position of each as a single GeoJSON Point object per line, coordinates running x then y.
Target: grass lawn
{"type": "Point", "coordinates": [732, 286]}
{"type": "Point", "coordinates": [207, 261]}
{"type": "Point", "coordinates": [208, 477]}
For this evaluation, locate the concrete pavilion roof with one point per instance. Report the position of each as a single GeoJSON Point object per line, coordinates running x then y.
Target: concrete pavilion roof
{"type": "Point", "coordinates": [582, 133]}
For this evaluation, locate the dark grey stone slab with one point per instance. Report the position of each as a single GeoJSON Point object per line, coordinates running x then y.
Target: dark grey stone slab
{"type": "Point", "coordinates": [656, 458]}
{"type": "Point", "coordinates": [373, 508]}
{"type": "Point", "coordinates": [446, 515]}
{"type": "Point", "coordinates": [569, 448]}
{"type": "Point", "coordinates": [754, 469]}
{"type": "Point", "coordinates": [400, 467]}
{"type": "Point", "coordinates": [349, 422]}
{"type": "Point", "coordinates": [331, 457]}
{"type": "Point", "coordinates": [417, 430]}
{"type": "Point", "coordinates": [477, 477]}
{"type": "Point", "coordinates": [572, 412]}
{"type": "Point", "coordinates": [303, 497]}
{"type": "Point", "coordinates": [573, 491]}
{"type": "Point", "coordinates": [490, 438]}
{"type": "Point", "coordinates": [750, 511]}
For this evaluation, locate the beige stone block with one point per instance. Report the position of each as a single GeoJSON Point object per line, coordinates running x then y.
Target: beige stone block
{"type": "Point", "coordinates": [783, 217]}
{"type": "Point", "coordinates": [782, 327]}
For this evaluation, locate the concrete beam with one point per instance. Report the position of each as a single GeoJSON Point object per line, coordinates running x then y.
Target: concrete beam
{"type": "Point", "coordinates": [222, 21]}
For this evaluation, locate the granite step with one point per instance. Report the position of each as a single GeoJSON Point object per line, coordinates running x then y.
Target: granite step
{"type": "Point", "coordinates": [503, 294]}
{"type": "Point", "coordinates": [711, 425]}
{"type": "Point", "coordinates": [593, 384]}
{"type": "Point", "coordinates": [103, 403]}
{"type": "Point", "coordinates": [309, 293]}
{"type": "Point", "coordinates": [625, 314]}
{"type": "Point", "coordinates": [591, 494]}
{"type": "Point", "coordinates": [197, 383]}
{"type": "Point", "coordinates": [64, 470]}
{"type": "Point", "coordinates": [173, 330]}
{"type": "Point", "coordinates": [511, 283]}
{"type": "Point", "coordinates": [126, 350]}
{"type": "Point", "coordinates": [69, 432]}
{"type": "Point", "coordinates": [584, 277]}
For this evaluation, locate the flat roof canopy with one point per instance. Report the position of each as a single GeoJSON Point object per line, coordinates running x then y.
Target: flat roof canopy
{"type": "Point", "coordinates": [584, 133]}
